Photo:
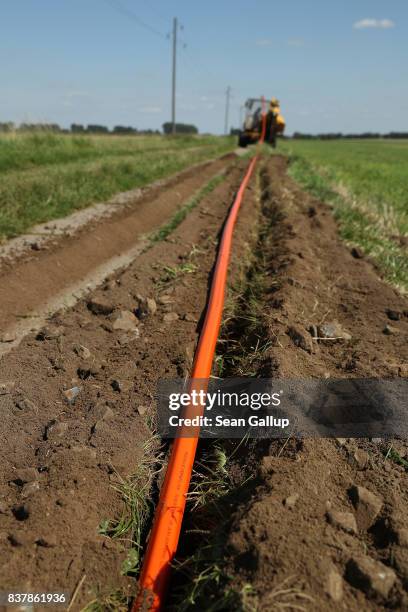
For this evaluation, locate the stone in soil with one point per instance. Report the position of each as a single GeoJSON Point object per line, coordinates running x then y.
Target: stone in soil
{"type": "Point", "coordinates": [100, 307]}
{"type": "Point", "coordinates": [367, 505]}
{"type": "Point", "coordinates": [333, 330]}
{"type": "Point", "coordinates": [372, 577]}
{"type": "Point", "coordinates": [71, 394]}
{"type": "Point", "coordinates": [125, 321]}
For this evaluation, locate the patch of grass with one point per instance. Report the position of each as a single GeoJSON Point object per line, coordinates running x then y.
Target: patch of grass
{"type": "Point", "coordinates": [367, 184]}
{"type": "Point", "coordinates": [172, 272]}
{"type": "Point", "coordinates": [201, 577]}
{"type": "Point", "coordinates": [48, 176]}
{"type": "Point", "coordinates": [135, 491]}
{"type": "Point", "coordinates": [394, 456]}
{"type": "Point", "coordinates": [112, 602]}
{"type": "Point", "coordinates": [209, 588]}
{"type": "Point", "coordinates": [165, 230]}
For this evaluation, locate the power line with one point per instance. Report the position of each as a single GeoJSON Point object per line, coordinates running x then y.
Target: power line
{"type": "Point", "coordinates": [173, 83]}
{"type": "Point", "coordinates": [120, 8]}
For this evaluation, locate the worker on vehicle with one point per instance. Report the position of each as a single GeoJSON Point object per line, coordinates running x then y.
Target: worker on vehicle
{"type": "Point", "coordinates": [271, 121]}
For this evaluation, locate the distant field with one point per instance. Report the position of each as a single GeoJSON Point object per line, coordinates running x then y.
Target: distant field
{"type": "Point", "coordinates": [46, 176]}
{"type": "Point", "coordinates": [367, 184]}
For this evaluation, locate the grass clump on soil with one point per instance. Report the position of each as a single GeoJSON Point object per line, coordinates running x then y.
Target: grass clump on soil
{"type": "Point", "coordinates": [113, 602]}
{"type": "Point", "coordinates": [367, 184]}
{"type": "Point", "coordinates": [393, 455]}
{"type": "Point", "coordinates": [47, 176]}
{"type": "Point", "coordinates": [135, 492]}
{"type": "Point", "coordinates": [201, 580]}
{"type": "Point", "coordinates": [165, 230]}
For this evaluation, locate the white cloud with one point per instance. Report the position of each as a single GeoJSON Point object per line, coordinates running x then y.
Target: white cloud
{"type": "Point", "coordinates": [368, 22]}
{"type": "Point", "coordinates": [150, 109]}
{"type": "Point", "coordinates": [263, 42]}
{"type": "Point", "coordinates": [296, 42]}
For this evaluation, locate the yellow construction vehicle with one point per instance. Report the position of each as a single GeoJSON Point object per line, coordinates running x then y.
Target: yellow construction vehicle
{"type": "Point", "coordinates": [252, 128]}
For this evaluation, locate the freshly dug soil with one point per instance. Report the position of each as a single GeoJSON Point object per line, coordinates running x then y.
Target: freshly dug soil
{"type": "Point", "coordinates": [60, 461]}
{"type": "Point", "coordinates": [289, 542]}
{"type": "Point", "coordinates": [63, 454]}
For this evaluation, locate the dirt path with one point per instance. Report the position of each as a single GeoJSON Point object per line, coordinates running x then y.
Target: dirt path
{"type": "Point", "coordinates": [65, 459]}
{"type": "Point", "coordinates": [61, 460]}
{"type": "Point", "coordinates": [41, 282]}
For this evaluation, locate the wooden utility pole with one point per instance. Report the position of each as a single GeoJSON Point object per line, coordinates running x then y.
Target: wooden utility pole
{"type": "Point", "coordinates": [227, 103]}
{"type": "Point", "coordinates": [173, 93]}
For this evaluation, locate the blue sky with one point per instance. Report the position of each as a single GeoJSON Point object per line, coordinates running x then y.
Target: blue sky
{"type": "Point", "coordinates": [335, 66]}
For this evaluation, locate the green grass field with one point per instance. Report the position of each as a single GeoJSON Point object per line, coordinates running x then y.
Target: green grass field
{"type": "Point", "coordinates": [366, 182]}
{"type": "Point", "coordinates": [44, 176]}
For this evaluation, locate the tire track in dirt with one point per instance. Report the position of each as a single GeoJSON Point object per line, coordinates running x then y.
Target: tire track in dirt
{"type": "Point", "coordinates": [61, 459]}
{"type": "Point", "coordinates": [55, 277]}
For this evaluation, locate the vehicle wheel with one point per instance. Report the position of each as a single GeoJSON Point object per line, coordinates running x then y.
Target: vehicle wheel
{"type": "Point", "coordinates": [243, 141]}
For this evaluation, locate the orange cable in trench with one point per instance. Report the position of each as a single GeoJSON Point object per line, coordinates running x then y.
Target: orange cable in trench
{"type": "Point", "coordinates": [166, 529]}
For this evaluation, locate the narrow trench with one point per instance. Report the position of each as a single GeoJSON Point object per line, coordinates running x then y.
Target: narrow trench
{"type": "Point", "coordinates": [226, 473]}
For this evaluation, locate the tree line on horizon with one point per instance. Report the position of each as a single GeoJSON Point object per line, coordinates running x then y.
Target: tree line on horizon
{"type": "Point", "coordinates": [78, 128]}
{"type": "Point", "coordinates": [340, 135]}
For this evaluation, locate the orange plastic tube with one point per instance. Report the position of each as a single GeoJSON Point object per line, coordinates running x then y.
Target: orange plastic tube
{"type": "Point", "coordinates": [169, 513]}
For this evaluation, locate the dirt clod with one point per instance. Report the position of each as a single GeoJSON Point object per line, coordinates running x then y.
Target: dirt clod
{"type": "Point", "coordinates": [393, 315]}
{"type": "Point", "coordinates": [389, 330]}
{"type": "Point", "coordinates": [334, 585]}
{"type": "Point", "coordinates": [82, 351]}
{"type": "Point", "coordinates": [29, 489]}
{"type": "Point", "coordinates": [6, 388]}
{"type": "Point", "coordinates": [300, 338]}
{"type": "Point", "coordinates": [124, 321]}
{"type": "Point", "coordinates": [50, 332]}
{"type": "Point", "coordinates": [169, 317]}
{"type": "Point", "coordinates": [147, 307]}
{"type": "Point", "coordinates": [342, 520]}
{"type": "Point", "coordinates": [372, 577]}
{"type": "Point", "coordinates": [367, 504]}
{"type": "Point", "coordinates": [56, 430]}
{"type": "Point", "coordinates": [100, 306]}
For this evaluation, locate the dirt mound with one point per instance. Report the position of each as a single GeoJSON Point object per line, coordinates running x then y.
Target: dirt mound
{"type": "Point", "coordinates": [326, 526]}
